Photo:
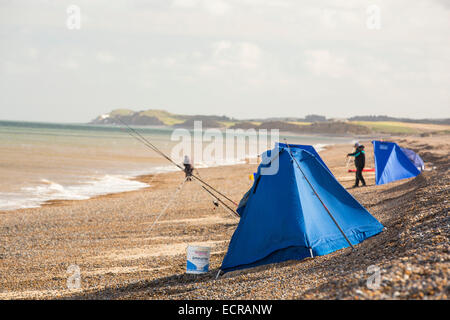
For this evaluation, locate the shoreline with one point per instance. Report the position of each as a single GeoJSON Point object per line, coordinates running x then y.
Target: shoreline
{"type": "Point", "coordinates": [143, 178]}
{"type": "Point", "coordinates": [121, 256]}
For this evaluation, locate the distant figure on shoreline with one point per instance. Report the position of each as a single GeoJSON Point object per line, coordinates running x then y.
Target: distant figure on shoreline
{"type": "Point", "coordinates": [360, 162]}
{"type": "Point", "coordinates": [188, 168]}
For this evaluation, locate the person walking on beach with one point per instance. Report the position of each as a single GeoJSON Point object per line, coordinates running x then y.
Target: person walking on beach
{"type": "Point", "coordinates": [360, 162]}
{"type": "Point", "coordinates": [188, 168]}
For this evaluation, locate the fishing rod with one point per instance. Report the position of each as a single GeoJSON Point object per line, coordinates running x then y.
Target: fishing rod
{"type": "Point", "coordinates": [142, 139]}
{"type": "Point", "coordinates": [328, 211]}
{"type": "Point", "coordinates": [220, 201]}
{"type": "Point", "coordinates": [214, 189]}
{"type": "Point", "coordinates": [347, 163]}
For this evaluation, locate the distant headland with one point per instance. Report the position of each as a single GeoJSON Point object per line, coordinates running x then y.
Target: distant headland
{"type": "Point", "coordinates": [311, 124]}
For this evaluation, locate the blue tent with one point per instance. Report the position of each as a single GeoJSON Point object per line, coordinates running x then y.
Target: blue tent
{"type": "Point", "coordinates": [284, 219]}
{"type": "Point", "coordinates": [391, 163]}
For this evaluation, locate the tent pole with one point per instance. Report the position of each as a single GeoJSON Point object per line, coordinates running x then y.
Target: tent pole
{"type": "Point", "coordinates": [218, 274]}
{"type": "Point", "coordinates": [328, 211]}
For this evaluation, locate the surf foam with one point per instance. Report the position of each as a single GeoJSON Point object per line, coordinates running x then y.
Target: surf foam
{"type": "Point", "coordinates": [35, 196]}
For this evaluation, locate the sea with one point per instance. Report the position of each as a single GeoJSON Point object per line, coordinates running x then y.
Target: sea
{"type": "Point", "coordinates": [41, 162]}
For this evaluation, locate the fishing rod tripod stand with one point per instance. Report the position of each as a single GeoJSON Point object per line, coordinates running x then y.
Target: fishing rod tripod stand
{"type": "Point", "coordinates": [188, 178]}
{"type": "Point", "coordinates": [188, 169]}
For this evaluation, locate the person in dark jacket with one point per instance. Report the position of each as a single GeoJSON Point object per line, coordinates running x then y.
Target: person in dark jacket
{"type": "Point", "coordinates": [360, 162]}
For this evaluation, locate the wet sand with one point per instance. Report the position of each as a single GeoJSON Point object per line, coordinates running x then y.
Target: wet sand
{"type": "Point", "coordinates": [121, 256]}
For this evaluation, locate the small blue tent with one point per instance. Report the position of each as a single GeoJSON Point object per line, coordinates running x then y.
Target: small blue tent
{"type": "Point", "coordinates": [392, 163]}
{"type": "Point", "coordinates": [284, 219]}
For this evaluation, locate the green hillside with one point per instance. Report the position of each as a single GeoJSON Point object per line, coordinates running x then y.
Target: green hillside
{"type": "Point", "coordinates": [310, 124]}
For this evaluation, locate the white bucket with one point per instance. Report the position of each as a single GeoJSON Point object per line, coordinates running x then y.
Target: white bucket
{"type": "Point", "coordinates": [197, 259]}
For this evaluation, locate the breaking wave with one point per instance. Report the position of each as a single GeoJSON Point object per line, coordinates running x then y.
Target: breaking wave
{"type": "Point", "coordinates": [35, 196]}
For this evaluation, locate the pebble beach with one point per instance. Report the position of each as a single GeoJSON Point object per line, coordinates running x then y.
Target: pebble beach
{"type": "Point", "coordinates": [120, 252]}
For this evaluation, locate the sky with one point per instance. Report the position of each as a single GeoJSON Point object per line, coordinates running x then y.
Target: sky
{"type": "Point", "coordinates": [240, 58]}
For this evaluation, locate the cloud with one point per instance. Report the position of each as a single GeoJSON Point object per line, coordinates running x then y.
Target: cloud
{"type": "Point", "coordinates": [33, 53]}
{"type": "Point", "coordinates": [220, 60]}
{"type": "Point", "coordinates": [105, 57]}
{"type": "Point", "coordinates": [215, 7]}
{"type": "Point", "coordinates": [69, 64]}
{"type": "Point", "coordinates": [248, 57]}
{"type": "Point", "coordinates": [236, 54]}
{"type": "Point", "coordinates": [14, 68]}
{"type": "Point", "coordinates": [185, 3]}
{"type": "Point", "coordinates": [325, 63]}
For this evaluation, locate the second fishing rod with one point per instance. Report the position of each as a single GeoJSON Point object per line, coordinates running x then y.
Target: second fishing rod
{"type": "Point", "coordinates": [134, 133]}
